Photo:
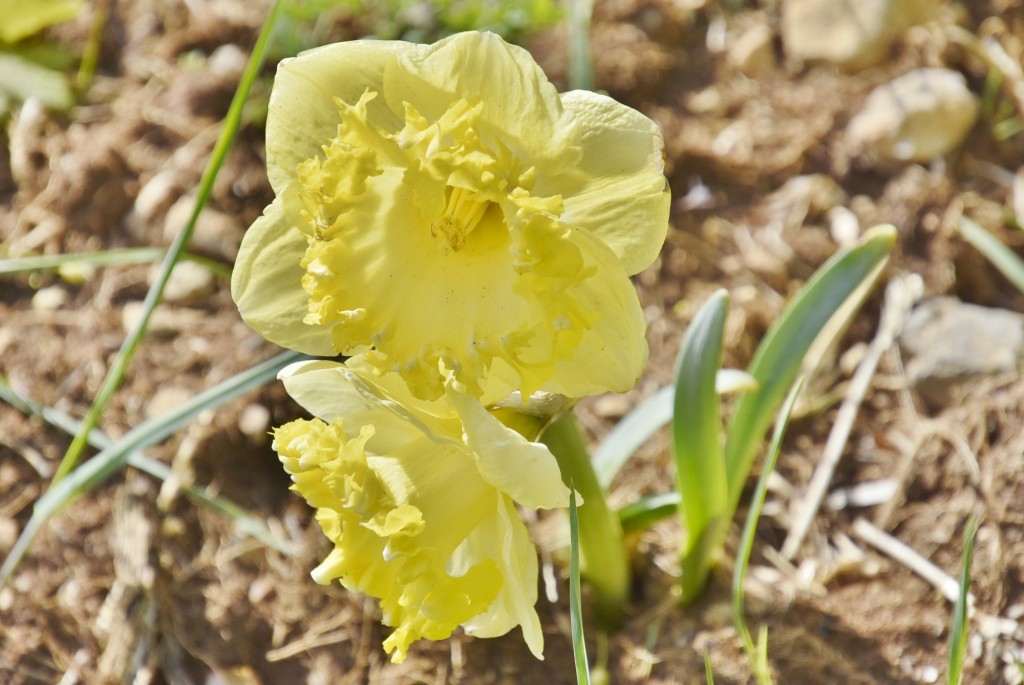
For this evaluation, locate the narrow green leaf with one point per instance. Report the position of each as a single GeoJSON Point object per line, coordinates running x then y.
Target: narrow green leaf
{"type": "Point", "coordinates": [581, 66]}
{"type": "Point", "coordinates": [604, 562]}
{"type": "Point", "coordinates": [646, 418]}
{"type": "Point", "coordinates": [128, 255]}
{"type": "Point", "coordinates": [245, 521]}
{"type": "Point", "coordinates": [124, 355]}
{"type": "Point", "coordinates": [630, 433]}
{"type": "Point", "coordinates": [707, 668]}
{"type": "Point", "coordinates": [697, 442]}
{"type": "Point", "coordinates": [647, 510]}
{"type": "Point", "coordinates": [1002, 257]}
{"type": "Point", "coordinates": [961, 610]}
{"type": "Point", "coordinates": [23, 79]}
{"type": "Point", "coordinates": [579, 646]}
{"type": "Point", "coordinates": [110, 460]}
{"type": "Point", "coordinates": [779, 356]}
{"type": "Point", "coordinates": [758, 656]}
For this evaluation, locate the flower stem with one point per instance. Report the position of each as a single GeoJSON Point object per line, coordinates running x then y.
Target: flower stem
{"type": "Point", "coordinates": [605, 565]}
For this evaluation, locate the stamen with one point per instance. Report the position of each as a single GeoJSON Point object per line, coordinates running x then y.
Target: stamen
{"type": "Point", "coordinates": [461, 215]}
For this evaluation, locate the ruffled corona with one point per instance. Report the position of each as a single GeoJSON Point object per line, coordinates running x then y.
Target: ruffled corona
{"type": "Point", "coordinates": [442, 209]}
{"type": "Point", "coordinates": [419, 505]}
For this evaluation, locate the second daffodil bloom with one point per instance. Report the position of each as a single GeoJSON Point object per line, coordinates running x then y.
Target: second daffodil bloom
{"type": "Point", "coordinates": [419, 500]}
{"type": "Point", "coordinates": [443, 210]}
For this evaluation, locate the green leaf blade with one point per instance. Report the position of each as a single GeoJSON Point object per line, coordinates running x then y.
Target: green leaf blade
{"type": "Point", "coordinates": [961, 610]}
{"type": "Point", "coordinates": [780, 355]}
{"type": "Point", "coordinates": [697, 442]}
{"type": "Point", "coordinates": [112, 459]}
{"type": "Point", "coordinates": [579, 645]}
{"type": "Point", "coordinates": [630, 433]}
{"type": "Point", "coordinates": [1002, 257]}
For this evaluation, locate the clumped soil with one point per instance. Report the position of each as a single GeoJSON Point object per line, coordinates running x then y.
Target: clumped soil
{"type": "Point", "coordinates": [135, 583]}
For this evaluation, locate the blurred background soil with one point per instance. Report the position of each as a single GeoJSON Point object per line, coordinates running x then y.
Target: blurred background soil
{"type": "Point", "coordinates": [777, 154]}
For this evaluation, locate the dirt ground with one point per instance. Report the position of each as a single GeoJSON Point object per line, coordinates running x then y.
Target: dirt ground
{"type": "Point", "coordinates": [135, 583]}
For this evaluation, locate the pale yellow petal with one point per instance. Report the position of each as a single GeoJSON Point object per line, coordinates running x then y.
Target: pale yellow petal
{"type": "Point", "coordinates": [330, 391]}
{"type": "Point", "coordinates": [524, 470]}
{"type": "Point", "coordinates": [519, 106]}
{"type": "Point", "coordinates": [417, 302]}
{"type": "Point", "coordinates": [612, 354]}
{"type": "Point", "coordinates": [395, 521]}
{"type": "Point", "coordinates": [503, 537]}
{"type": "Point", "coordinates": [618, 191]}
{"type": "Point", "coordinates": [266, 284]}
{"type": "Point", "coordinates": [303, 116]}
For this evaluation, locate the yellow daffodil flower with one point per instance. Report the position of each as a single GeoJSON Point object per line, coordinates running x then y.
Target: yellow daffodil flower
{"type": "Point", "coordinates": [443, 210]}
{"type": "Point", "coordinates": [418, 499]}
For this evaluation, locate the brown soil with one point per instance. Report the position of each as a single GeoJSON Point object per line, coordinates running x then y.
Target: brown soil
{"type": "Point", "coordinates": [135, 583]}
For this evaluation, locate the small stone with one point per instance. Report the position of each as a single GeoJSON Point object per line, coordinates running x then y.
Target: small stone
{"type": "Point", "coordinates": [216, 234]}
{"type": "Point", "coordinates": [752, 52]}
{"type": "Point", "coordinates": [76, 273]}
{"type": "Point", "coordinates": [189, 283]}
{"type": "Point", "coordinates": [853, 35]}
{"type": "Point", "coordinates": [951, 343]}
{"type": "Point", "coordinates": [227, 60]}
{"type": "Point", "coordinates": [917, 117]}
{"type": "Point", "coordinates": [844, 226]}
{"type": "Point", "coordinates": [254, 421]}
{"type": "Point", "coordinates": [165, 321]}
{"type": "Point", "coordinates": [154, 197]}
{"type": "Point", "coordinates": [49, 299]}
{"type": "Point", "coordinates": [8, 533]}
{"type": "Point", "coordinates": [166, 399]}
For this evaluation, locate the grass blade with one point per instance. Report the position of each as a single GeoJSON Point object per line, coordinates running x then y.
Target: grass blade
{"type": "Point", "coordinates": [758, 655]}
{"type": "Point", "coordinates": [780, 354]}
{"type": "Point", "coordinates": [961, 610]}
{"type": "Point", "coordinates": [581, 65]}
{"type": "Point", "coordinates": [124, 355]}
{"type": "Point", "coordinates": [579, 646]}
{"type": "Point", "coordinates": [632, 432]}
{"type": "Point", "coordinates": [245, 521]}
{"type": "Point", "coordinates": [128, 255]}
{"type": "Point", "coordinates": [1002, 257]}
{"type": "Point", "coordinates": [112, 459]}
{"type": "Point", "coordinates": [697, 442]}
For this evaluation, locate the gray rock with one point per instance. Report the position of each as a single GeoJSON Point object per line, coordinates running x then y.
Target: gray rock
{"type": "Point", "coordinates": [190, 283]}
{"type": "Point", "coordinates": [166, 399]}
{"type": "Point", "coordinates": [950, 344]}
{"type": "Point", "coordinates": [49, 299]}
{"type": "Point", "coordinates": [216, 234]}
{"type": "Point", "coordinates": [166, 322]}
{"type": "Point", "coordinates": [752, 53]}
{"type": "Point", "coordinates": [852, 34]}
{"type": "Point", "coordinates": [917, 117]}
{"type": "Point", "coordinates": [255, 421]}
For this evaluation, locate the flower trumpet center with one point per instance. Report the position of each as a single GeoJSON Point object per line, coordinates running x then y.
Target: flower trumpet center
{"type": "Point", "coordinates": [432, 224]}
{"type": "Point", "coordinates": [461, 215]}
